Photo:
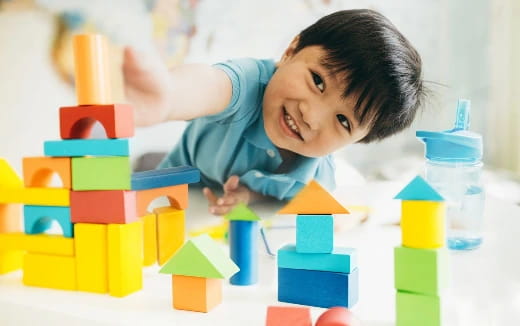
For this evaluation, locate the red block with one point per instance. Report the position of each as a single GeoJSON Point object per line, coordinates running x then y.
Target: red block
{"type": "Point", "coordinates": [77, 121]}
{"type": "Point", "coordinates": [337, 316]}
{"type": "Point", "coordinates": [285, 316]}
{"type": "Point", "coordinates": [103, 207]}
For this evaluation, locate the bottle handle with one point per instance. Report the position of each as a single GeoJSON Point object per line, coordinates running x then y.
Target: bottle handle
{"type": "Point", "coordinates": [462, 119]}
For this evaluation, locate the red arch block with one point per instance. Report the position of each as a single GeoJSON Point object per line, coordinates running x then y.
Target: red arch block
{"type": "Point", "coordinates": [77, 121]}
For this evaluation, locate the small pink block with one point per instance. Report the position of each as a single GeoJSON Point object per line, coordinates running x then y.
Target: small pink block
{"type": "Point", "coordinates": [288, 316]}
{"type": "Point", "coordinates": [338, 316]}
{"type": "Point", "coordinates": [103, 206]}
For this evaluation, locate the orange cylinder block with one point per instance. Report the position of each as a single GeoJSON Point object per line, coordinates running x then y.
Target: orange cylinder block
{"type": "Point", "coordinates": [92, 69]}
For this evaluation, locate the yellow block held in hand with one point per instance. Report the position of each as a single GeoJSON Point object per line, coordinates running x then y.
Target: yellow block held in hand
{"type": "Point", "coordinates": [423, 224]}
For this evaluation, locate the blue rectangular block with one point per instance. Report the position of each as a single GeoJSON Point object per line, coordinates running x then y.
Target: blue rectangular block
{"type": "Point", "coordinates": [243, 246]}
{"type": "Point", "coordinates": [87, 147]}
{"type": "Point", "coordinates": [314, 234]}
{"type": "Point", "coordinates": [341, 260]}
{"type": "Point", "coordinates": [317, 288]}
{"type": "Point", "coordinates": [165, 177]}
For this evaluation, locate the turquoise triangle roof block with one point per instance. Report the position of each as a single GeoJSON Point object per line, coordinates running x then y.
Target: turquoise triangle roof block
{"type": "Point", "coordinates": [419, 189]}
{"type": "Point", "coordinates": [200, 257]}
{"type": "Point", "coordinates": [242, 213]}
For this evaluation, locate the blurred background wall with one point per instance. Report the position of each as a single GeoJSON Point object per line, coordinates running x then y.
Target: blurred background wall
{"type": "Point", "coordinates": [470, 49]}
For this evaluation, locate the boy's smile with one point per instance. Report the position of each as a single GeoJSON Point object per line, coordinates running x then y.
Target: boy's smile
{"type": "Point", "coordinates": [304, 111]}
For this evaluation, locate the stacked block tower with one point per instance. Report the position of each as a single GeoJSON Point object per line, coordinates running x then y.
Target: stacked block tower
{"type": "Point", "coordinates": [314, 272]}
{"type": "Point", "coordinates": [100, 207]}
{"type": "Point", "coordinates": [421, 263]}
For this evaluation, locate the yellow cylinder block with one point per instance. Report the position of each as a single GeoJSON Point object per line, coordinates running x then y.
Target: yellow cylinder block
{"type": "Point", "coordinates": [92, 69]}
{"type": "Point", "coordinates": [423, 224]}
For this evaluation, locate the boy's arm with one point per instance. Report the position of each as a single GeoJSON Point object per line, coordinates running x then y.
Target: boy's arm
{"type": "Point", "coordinates": [183, 93]}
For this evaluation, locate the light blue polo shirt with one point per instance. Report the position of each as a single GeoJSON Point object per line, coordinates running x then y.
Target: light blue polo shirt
{"type": "Point", "coordinates": [234, 142]}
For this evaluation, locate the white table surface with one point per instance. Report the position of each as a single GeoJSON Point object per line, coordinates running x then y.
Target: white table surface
{"type": "Point", "coordinates": [485, 285]}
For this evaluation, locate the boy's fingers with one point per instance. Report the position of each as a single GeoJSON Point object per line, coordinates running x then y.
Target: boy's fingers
{"type": "Point", "coordinates": [210, 196]}
{"type": "Point", "coordinates": [220, 210]}
{"type": "Point", "coordinates": [226, 200]}
{"type": "Point", "coordinates": [130, 62]}
{"type": "Point", "coordinates": [231, 183]}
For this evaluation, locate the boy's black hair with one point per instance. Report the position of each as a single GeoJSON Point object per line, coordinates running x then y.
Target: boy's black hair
{"type": "Point", "coordinates": [379, 66]}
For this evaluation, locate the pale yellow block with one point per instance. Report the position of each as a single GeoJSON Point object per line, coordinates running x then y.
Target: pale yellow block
{"type": "Point", "coordinates": [8, 177]}
{"type": "Point", "coordinates": [423, 224]}
{"type": "Point", "coordinates": [170, 232]}
{"type": "Point", "coordinates": [11, 261]}
{"type": "Point", "coordinates": [50, 244]}
{"type": "Point", "coordinates": [36, 196]}
{"type": "Point", "coordinates": [150, 239]}
{"type": "Point", "coordinates": [54, 272]}
{"type": "Point", "coordinates": [91, 257]}
{"type": "Point", "coordinates": [125, 258]}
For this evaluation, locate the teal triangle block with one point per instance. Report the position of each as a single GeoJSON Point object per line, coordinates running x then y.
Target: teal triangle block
{"type": "Point", "coordinates": [200, 257]}
{"type": "Point", "coordinates": [242, 213]}
{"type": "Point", "coordinates": [419, 189]}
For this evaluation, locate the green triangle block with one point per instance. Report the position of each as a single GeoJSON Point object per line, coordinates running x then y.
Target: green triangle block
{"type": "Point", "coordinates": [200, 257]}
{"type": "Point", "coordinates": [242, 213]}
{"type": "Point", "coordinates": [419, 189]}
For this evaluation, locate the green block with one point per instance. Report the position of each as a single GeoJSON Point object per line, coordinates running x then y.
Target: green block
{"type": "Point", "coordinates": [200, 257]}
{"type": "Point", "coordinates": [101, 173]}
{"type": "Point", "coordinates": [423, 271]}
{"type": "Point", "coordinates": [242, 213]}
{"type": "Point", "coordinates": [418, 310]}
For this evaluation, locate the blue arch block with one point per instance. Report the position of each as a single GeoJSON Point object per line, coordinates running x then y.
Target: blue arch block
{"type": "Point", "coordinates": [38, 219]}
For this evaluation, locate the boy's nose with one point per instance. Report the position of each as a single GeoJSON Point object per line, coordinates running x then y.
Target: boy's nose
{"type": "Point", "coordinates": [310, 116]}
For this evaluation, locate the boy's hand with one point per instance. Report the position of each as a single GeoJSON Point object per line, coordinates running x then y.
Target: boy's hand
{"type": "Point", "coordinates": [234, 193]}
{"type": "Point", "coordinates": [147, 87]}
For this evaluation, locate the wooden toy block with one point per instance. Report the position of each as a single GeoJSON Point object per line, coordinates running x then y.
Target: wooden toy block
{"type": "Point", "coordinates": [165, 177]}
{"type": "Point", "coordinates": [76, 122]}
{"type": "Point", "coordinates": [340, 260]}
{"type": "Point", "coordinates": [416, 309]}
{"type": "Point", "coordinates": [54, 272]}
{"type": "Point", "coordinates": [243, 246]}
{"type": "Point", "coordinates": [10, 218]}
{"type": "Point", "coordinates": [11, 260]}
{"type": "Point", "coordinates": [196, 293]}
{"type": "Point", "coordinates": [170, 232]}
{"type": "Point", "coordinates": [317, 288]}
{"type": "Point", "coordinates": [313, 199]}
{"type": "Point", "coordinates": [314, 234]}
{"type": "Point", "coordinates": [101, 173]}
{"type": "Point", "coordinates": [8, 177]}
{"type": "Point", "coordinates": [177, 196]}
{"type": "Point", "coordinates": [285, 316]}
{"type": "Point", "coordinates": [87, 147]}
{"type": "Point", "coordinates": [91, 257]}
{"type": "Point", "coordinates": [125, 258]}
{"type": "Point", "coordinates": [48, 244]}
{"type": "Point", "coordinates": [422, 271]}
{"type": "Point", "coordinates": [38, 219]}
{"type": "Point", "coordinates": [337, 316]}
{"type": "Point", "coordinates": [200, 257]}
{"type": "Point", "coordinates": [149, 239]}
{"type": "Point", "coordinates": [419, 189]}
{"type": "Point", "coordinates": [36, 196]}
{"type": "Point", "coordinates": [103, 207]}
{"type": "Point", "coordinates": [91, 62]}
{"type": "Point", "coordinates": [423, 224]}
{"type": "Point", "coordinates": [38, 171]}
{"type": "Point", "coordinates": [242, 213]}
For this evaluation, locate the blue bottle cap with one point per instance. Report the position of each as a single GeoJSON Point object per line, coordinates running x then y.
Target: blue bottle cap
{"type": "Point", "coordinates": [455, 145]}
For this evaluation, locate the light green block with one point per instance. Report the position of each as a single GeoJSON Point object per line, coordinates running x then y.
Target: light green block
{"type": "Point", "coordinates": [418, 310]}
{"type": "Point", "coordinates": [241, 213]}
{"type": "Point", "coordinates": [101, 173]}
{"type": "Point", "coordinates": [424, 271]}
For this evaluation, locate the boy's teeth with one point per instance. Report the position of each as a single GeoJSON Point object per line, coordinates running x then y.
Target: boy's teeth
{"type": "Point", "coordinates": [291, 124]}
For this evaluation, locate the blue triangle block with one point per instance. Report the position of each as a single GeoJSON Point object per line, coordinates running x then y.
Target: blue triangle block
{"type": "Point", "coordinates": [419, 189]}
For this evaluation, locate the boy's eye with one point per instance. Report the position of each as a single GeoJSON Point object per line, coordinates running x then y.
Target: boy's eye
{"type": "Point", "coordinates": [318, 81]}
{"type": "Point", "coordinates": [344, 121]}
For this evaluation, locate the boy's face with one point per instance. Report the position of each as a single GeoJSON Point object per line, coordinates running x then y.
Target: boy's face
{"type": "Point", "coordinates": [303, 108]}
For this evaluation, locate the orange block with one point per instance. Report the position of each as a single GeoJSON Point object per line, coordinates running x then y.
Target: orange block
{"type": "Point", "coordinates": [10, 218]}
{"type": "Point", "coordinates": [177, 196]}
{"type": "Point", "coordinates": [92, 69]}
{"type": "Point", "coordinates": [196, 293]}
{"type": "Point", "coordinates": [170, 232]}
{"type": "Point", "coordinates": [313, 199]}
{"type": "Point", "coordinates": [287, 315]}
{"type": "Point", "coordinates": [38, 171]}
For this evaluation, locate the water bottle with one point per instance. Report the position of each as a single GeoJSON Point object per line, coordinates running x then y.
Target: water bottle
{"type": "Point", "coordinates": [454, 168]}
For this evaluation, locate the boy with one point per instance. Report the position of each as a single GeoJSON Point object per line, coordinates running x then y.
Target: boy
{"type": "Point", "coordinates": [259, 128]}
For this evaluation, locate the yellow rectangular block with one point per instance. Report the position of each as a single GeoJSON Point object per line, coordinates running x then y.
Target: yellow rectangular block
{"type": "Point", "coordinates": [423, 224]}
{"type": "Point", "coordinates": [49, 244]}
{"type": "Point", "coordinates": [149, 239]}
{"type": "Point", "coordinates": [125, 258]}
{"type": "Point", "coordinates": [36, 196]}
{"type": "Point", "coordinates": [91, 257]}
{"type": "Point", "coordinates": [55, 272]}
{"type": "Point", "coordinates": [11, 260]}
{"type": "Point", "coordinates": [170, 232]}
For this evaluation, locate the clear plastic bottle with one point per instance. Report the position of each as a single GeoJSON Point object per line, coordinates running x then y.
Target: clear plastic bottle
{"type": "Point", "coordinates": [454, 168]}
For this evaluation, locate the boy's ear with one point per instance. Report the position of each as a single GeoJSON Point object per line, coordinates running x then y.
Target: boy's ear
{"type": "Point", "coordinates": [290, 51]}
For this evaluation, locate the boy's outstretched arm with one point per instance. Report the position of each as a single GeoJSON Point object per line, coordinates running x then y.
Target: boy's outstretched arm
{"type": "Point", "coordinates": [182, 93]}
{"type": "Point", "coordinates": [234, 193]}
